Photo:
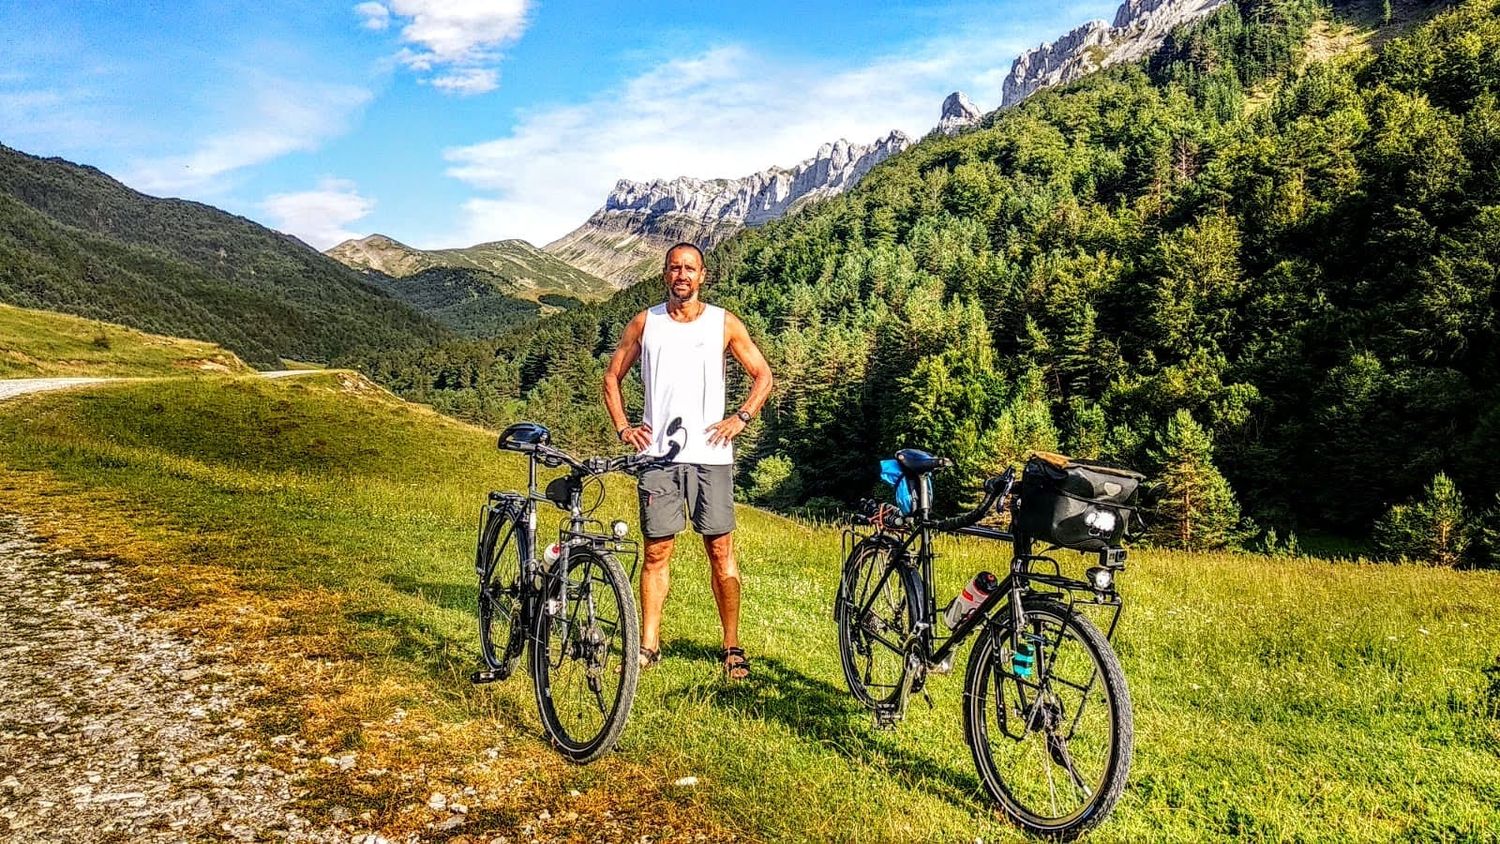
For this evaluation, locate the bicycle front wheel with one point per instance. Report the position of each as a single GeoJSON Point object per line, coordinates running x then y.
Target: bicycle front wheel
{"type": "Point", "coordinates": [501, 633]}
{"type": "Point", "coordinates": [1050, 730]}
{"type": "Point", "coordinates": [876, 610]}
{"type": "Point", "coordinates": [583, 659]}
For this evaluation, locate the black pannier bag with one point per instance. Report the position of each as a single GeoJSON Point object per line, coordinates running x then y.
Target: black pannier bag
{"type": "Point", "coordinates": [1077, 504]}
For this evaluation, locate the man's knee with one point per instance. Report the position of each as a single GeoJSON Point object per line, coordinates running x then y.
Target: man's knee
{"type": "Point", "coordinates": [658, 552]}
{"type": "Point", "coordinates": [720, 550]}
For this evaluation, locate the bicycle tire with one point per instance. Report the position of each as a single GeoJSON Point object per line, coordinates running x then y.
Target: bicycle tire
{"type": "Point", "coordinates": [584, 664]}
{"type": "Point", "coordinates": [1052, 750]}
{"type": "Point", "coordinates": [502, 627]}
{"type": "Point", "coordinates": [871, 649]}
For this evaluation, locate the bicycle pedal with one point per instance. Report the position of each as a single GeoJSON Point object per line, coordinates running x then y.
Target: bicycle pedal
{"type": "Point", "coordinates": [481, 677]}
{"type": "Point", "coordinates": [886, 719]}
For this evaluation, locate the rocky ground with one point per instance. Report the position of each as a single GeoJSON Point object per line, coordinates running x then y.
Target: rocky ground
{"type": "Point", "coordinates": [113, 730]}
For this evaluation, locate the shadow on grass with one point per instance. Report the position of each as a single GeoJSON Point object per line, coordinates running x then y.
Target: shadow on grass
{"type": "Point", "coordinates": [445, 660]}
{"type": "Point", "coordinates": [450, 596]}
{"type": "Point", "coordinates": [822, 713]}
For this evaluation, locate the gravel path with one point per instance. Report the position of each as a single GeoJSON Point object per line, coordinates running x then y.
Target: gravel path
{"type": "Point", "coordinates": [11, 387]}
{"type": "Point", "coordinates": [112, 730]}
{"type": "Point", "coordinates": [16, 386]}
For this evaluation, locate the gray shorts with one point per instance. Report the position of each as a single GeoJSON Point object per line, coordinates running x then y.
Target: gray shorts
{"type": "Point", "coordinates": [705, 492]}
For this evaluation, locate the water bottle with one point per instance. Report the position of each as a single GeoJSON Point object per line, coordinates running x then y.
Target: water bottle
{"type": "Point", "coordinates": [972, 596]}
{"type": "Point", "coordinates": [551, 553]}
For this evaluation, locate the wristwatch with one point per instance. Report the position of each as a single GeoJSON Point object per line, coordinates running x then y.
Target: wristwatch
{"type": "Point", "coordinates": [620, 434]}
{"type": "Point", "coordinates": [744, 417]}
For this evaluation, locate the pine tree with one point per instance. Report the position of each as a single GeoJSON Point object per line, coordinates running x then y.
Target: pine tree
{"type": "Point", "coordinates": [1198, 509]}
{"type": "Point", "coordinates": [1434, 530]}
{"type": "Point", "coordinates": [1487, 536]}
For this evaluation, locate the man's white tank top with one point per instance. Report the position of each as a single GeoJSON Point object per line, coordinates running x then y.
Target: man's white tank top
{"type": "Point", "coordinates": [682, 368]}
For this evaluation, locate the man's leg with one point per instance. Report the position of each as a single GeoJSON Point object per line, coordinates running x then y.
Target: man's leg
{"type": "Point", "coordinates": [662, 505]}
{"type": "Point", "coordinates": [724, 573]}
{"type": "Point", "coordinates": [655, 580]}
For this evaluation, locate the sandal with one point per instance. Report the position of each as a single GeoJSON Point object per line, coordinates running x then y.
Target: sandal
{"type": "Point", "coordinates": [649, 657]}
{"type": "Point", "coordinates": [736, 665]}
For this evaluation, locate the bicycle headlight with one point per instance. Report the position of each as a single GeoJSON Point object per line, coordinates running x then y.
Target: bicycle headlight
{"type": "Point", "coordinates": [619, 529]}
{"type": "Point", "coordinates": [1101, 579]}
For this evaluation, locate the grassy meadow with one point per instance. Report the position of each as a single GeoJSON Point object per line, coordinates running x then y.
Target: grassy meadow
{"type": "Point", "coordinates": [1274, 698]}
{"type": "Point", "coordinates": [41, 344]}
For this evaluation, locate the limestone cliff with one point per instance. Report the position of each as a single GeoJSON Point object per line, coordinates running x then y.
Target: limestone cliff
{"type": "Point", "coordinates": [1139, 27]}
{"type": "Point", "coordinates": [624, 238]}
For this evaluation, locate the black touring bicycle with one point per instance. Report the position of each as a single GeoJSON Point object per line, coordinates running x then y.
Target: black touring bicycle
{"type": "Point", "coordinates": [571, 601]}
{"type": "Point", "coordinates": [1046, 711]}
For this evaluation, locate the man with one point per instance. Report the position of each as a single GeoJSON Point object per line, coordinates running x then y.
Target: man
{"type": "Point", "coordinates": [680, 344]}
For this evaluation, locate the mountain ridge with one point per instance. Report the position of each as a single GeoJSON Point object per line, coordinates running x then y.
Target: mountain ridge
{"type": "Point", "coordinates": [640, 219]}
{"type": "Point", "coordinates": [75, 240]}
{"type": "Point", "coordinates": [1139, 27]}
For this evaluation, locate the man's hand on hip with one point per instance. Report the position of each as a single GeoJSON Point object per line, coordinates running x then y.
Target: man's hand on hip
{"type": "Point", "coordinates": [638, 436]}
{"type": "Point", "coordinates": [721, 433]}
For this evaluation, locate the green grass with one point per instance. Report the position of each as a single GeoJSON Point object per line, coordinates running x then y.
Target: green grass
{"type": "Point", "coordinates": [1274, 699]}
{"type": "Point", "coordinates": [43, 344]}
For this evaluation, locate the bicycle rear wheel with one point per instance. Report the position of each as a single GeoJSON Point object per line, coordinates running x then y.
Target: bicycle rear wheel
{"type": "Point", "coordinates": [1053, 743]}
{"type": "Point", "coordinates": [583, 660]}
{"type": "Point", "coordinates": [875, 611]}
{"type": "Point", "coordinates": [501, 632]}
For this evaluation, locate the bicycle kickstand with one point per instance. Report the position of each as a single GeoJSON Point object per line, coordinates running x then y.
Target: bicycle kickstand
{"type": "Point", "coordinates": [887, 716]}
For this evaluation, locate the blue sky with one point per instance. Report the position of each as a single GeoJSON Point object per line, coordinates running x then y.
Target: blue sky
{"type": "Point", "coordinates": [452, 122]}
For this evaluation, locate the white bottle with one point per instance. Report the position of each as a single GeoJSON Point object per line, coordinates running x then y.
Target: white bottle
{"type": "Point", "coordinates": [972, 596]}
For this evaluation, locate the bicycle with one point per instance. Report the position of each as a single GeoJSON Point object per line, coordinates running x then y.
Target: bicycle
{"type": "Point", "coordinates": [573, 604]}
{"type": "Point", "coordinates": [1047, 714]}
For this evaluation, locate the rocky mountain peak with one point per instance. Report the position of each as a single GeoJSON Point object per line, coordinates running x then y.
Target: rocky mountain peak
{"type": "Point", "coordinates": [639, 219]}
{"type": "Point", "coordinates": [1139, 27]}
{"type": "Point", "coordinates": [959, 112]}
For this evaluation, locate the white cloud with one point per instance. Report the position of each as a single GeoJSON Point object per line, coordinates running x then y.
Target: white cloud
{"type": "Point", "coordinates": [472, 80]}
{"type": "Point", "coordinates": [319, 217]}
{"type": "Point", "coordinates": [276, 117]}
{"type": "Point", "coordinates": [726, 112]}
{"type": "Point", "coordinates": [376, 15]}
{"type": "Point", "coordinates": [460, 39]}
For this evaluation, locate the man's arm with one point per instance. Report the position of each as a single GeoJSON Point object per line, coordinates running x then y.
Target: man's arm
{"type": "Point", "coordinates": [625, 356]}
{"type": "Point", "coordinates": [748, 354]}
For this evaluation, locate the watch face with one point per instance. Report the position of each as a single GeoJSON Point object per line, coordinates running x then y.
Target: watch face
{"type": "Point", "coordinates": [744, 417]}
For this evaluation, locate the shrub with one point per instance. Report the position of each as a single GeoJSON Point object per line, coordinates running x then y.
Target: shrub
{"type": "Point", "coordinates": [775, 483]}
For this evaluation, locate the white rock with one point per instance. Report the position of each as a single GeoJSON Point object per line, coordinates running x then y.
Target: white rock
{"type": "Point", "coordinates": [1139, 28]}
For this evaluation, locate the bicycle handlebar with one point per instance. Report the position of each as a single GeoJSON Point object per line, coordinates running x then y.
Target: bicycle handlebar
{"type": "Point", "coordinates": [995, 489]}
{"type": "Point", "coordinates": [632, 464]}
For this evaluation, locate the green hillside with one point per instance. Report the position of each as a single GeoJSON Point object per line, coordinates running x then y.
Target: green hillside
{"type": "Point", "coordinates": [41, 344]}
{"type": "Point", "coordinates": [1242, 256]}
{"type": "Point", "coordinates": [479, 291]}
{"type": "Point", "coordinates": [1275, 698]}
{"type": "Point", "coordinates": [74, 240]}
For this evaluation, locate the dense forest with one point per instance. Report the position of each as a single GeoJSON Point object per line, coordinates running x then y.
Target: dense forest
{"type": "Point", "coordinates": [74, 240]}
{"type": "Point", "coordinates": [1260, 266]}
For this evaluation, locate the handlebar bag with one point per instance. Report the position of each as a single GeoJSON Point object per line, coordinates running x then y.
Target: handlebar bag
{"type": "Point", "coordinates": [1078, 504]}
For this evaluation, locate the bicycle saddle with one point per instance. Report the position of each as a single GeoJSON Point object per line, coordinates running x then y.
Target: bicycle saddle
{"type": "Point", "coordinates": [915, 462]}
{"type": "Point", "coordinates": [524, 436]}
